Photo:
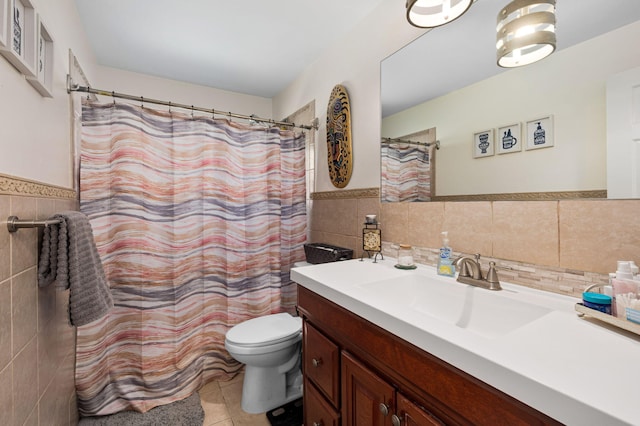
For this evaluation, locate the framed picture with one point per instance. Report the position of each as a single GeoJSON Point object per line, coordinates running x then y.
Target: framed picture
{"type": "Point", "coordinates": [4, 20]}
{"type": "Point", "coordinates": [42, 81]}
{"type": "Point", "coordinates": [508, 139]}
{"type": "Point", "coordinates": [20, 48]}
{"type": "Point", "coordinates": [483, 144]}
{"type": "Point", "coordinates": [539, 133]}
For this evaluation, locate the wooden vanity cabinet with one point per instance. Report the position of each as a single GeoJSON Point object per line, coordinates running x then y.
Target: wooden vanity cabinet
{"type": "Point", "coordinates": [367, 400]}
{"type": "Point", "coordinates": [359, 366]}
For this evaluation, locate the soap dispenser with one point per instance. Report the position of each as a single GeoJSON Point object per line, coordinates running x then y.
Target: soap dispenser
{"type": "Point", "coordinates": [445, 263]}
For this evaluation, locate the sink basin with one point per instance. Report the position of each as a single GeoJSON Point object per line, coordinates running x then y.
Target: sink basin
{"type": "Point", "coordinates": [486, 313]}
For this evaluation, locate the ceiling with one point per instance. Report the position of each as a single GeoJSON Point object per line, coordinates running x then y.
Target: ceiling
{"type": "Point", "coordinates": [255, 47]}
{"type": "Point", "coordinates": [463, 52]}
{"type": "Point", "coordinates": [259, 47]}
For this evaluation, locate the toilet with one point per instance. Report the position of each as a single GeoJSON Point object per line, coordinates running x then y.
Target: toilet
{"type": "Point", "coordinates": [270, 348]}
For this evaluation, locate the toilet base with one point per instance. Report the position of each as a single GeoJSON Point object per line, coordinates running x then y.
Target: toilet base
{"type": "Point", "coordinates": [264, 389]}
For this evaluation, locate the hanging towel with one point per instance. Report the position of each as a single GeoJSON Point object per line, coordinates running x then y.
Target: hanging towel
{"type": "Point", "coordinates": [70, 258]}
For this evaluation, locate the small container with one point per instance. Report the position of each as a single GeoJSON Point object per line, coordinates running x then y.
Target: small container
{"type": "Point", "coordinates": [597, 301]}
{"type": "Point", "coordinates": [405, 255]}
{"type": "Point", "coordinates": [622, 287]}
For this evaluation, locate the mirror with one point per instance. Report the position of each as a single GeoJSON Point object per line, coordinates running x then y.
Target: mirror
{"type": "Point", "coordinates": [448, 79]}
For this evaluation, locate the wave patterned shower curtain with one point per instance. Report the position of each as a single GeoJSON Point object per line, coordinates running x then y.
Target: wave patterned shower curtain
{"type": "Point", "coordinates": [405, 172]}
{"type": "Point", "coordinates": [197, 222]}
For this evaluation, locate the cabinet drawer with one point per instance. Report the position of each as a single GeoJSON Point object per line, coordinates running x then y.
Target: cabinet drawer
{"type": "Point", "coordinates": [322, 363]}
{"type": "Point", "coordinates": [317, 411]}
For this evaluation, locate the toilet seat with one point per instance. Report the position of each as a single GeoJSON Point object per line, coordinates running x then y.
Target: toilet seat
{"type": "Point", "coordinates": [264, 331]}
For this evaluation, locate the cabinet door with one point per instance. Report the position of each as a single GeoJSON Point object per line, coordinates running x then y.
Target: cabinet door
{"type": "Point", "coordinates": [367, 400]}
{"type": "Point", "coordinates": [409, 414]}
{"type": "Point", "coordinates": [321, 358]}
{"type": "Point", "coordinates": [316, 410]}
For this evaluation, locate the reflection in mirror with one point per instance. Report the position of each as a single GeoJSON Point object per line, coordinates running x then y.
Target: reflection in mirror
{"type": "Point", "coordinates": [408, 167]}
{"type": "Point", "coordinates": [448, 79]}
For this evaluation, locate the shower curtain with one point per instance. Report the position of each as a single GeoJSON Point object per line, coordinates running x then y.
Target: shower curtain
{"type": "Point", "coordinates": [197, 222]}
{"type": "Point", "coordinates": [406, 172]}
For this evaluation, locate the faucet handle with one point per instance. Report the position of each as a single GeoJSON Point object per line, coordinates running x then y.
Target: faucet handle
{"type": "Point", "coordinates": [492, 277]}
{"type": "Point", "coordinates": [477, 256]}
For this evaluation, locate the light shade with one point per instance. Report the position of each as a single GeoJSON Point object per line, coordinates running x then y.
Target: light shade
{"type": "Point", "coordinates": [433, 13]}
{"type": "Point", "coordinates": [526, 32]}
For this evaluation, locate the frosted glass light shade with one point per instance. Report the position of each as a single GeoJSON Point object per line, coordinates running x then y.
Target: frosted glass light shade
{"type": "Point", "coordinates": [525, 32]}
{"type": "Point", "coordinates": [433, 13]}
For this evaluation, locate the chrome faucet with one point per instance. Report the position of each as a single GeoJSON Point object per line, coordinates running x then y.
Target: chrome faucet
{"type": "Point", "coordinates": [470, 272]}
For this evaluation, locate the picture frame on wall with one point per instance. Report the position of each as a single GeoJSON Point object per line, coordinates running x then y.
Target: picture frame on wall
{"type": "Point", "coordinates": [539, 133]}
{"type": "Point", "coordinates": [20, 48]}
{"type": "Point", "coordinates": [509, 139]}
{"type": "Point", "coordinates": [43, 80]}
{"type": "Point", "coordinates": [483, 144]}
{"type": "Point", "coordinates": [4, 18]}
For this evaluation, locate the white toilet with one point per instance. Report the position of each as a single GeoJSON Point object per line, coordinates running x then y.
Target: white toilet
{"type": "Point", "coordinates": [270, 346]}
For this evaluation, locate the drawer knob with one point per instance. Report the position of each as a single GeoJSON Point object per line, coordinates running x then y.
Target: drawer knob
{"type": "Point", "coordinates": [384, 409]}
{"type": "Point", "coordinates": [316, 362]}
{"type": "Point", "coordinates": [396, 421]}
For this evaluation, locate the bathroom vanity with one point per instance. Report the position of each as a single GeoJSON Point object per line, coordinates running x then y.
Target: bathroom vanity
{"type": "Point", "coordinates": [384, 346]}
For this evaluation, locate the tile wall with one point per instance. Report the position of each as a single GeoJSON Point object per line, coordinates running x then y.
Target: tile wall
{"type": "Point", "coordinates": [37, 344]}
{"type": "Point", "coordinates": [559, 246]}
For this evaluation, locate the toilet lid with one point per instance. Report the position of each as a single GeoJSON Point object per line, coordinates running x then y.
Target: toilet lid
{"type": "Point", "coordinates": [265, 330]}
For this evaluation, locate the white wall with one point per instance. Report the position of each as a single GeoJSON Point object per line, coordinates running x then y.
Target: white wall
{"type": "Point", "coordinates": [148, 86]}
{"type": "Point", "coordinates": [570, 85]}
{"type": "Point", "coordinates": [355, 63]}
{"type": "Point", "coordinates": [35, 133]}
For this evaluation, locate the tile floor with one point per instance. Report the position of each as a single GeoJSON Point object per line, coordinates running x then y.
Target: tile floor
{"type": "Point", "coordinates": [221, 404]}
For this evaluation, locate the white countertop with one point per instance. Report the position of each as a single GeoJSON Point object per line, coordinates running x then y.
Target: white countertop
{"type": "Point", "coordinates": [575, 370]}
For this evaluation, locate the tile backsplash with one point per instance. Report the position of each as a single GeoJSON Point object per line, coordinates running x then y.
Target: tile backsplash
{"type": "Point", "coordinates": [560, 246]}
{"type": "Point", "coordinates": [37, 344]}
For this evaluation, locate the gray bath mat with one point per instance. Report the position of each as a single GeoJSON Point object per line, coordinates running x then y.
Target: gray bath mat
{"type": "Point", "coordinates": [187, 412]}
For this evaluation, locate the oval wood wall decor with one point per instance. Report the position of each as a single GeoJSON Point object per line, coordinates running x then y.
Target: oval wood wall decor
{"type": "Point", "coordinates": [340, 159]}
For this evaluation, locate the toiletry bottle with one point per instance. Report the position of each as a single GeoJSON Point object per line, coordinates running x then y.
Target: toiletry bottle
{"type": "Point", "coordinates": [623, 285]}
{"type": "Point", "coordinates": [445, 263]}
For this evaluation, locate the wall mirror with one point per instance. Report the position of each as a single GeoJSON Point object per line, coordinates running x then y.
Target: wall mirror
{"type": "Point", "coordinates": [448, 79]}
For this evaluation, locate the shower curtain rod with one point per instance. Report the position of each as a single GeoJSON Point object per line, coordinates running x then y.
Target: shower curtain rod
{"type": "Point", "coordinates": [397, 140]}
{"type": "Point", "coordinates": [85, 89]}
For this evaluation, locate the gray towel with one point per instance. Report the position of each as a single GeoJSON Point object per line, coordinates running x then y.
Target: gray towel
{"type": "Point", "coordinates": [70, 258]}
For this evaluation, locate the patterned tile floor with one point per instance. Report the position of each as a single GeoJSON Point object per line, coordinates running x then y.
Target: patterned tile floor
{"type": "Point", "coordinates": [221, 404]}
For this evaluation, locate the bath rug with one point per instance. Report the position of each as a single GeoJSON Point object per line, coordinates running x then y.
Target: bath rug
{"type": "Point", "coordinates": [288, 415]}
{"type": "Point", "coordinates": [187, 412]}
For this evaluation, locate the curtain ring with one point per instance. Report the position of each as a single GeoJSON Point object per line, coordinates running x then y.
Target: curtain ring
{"type": "Point", "coordinates": [192, 112]}
{"type": "Point", "coordinates": [169, 107]}
{"type": "Point", "coordinates": [113, 95]}
{"type": "Point", "coordinates": [141, 101]}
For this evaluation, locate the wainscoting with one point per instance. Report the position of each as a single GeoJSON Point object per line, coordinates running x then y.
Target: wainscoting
{"type": "Point", "coordinates": [37, 344]}
{"type": "Point", "coordinates": [560, 246]}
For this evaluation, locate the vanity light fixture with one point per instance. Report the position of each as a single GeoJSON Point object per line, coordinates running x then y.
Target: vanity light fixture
{"type": "Point", "coordinates": [526, 32]}
{"type": "Point", "coordinates": [433, 13]}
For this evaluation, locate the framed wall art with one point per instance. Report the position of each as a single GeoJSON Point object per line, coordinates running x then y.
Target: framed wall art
{"type": "Point", "coordinates": [43, 80]}
{"type": "Point", "coordinates": [20, 47]}
{"type": "Point", "coordinates": [339, 149]}
{"type": "Point", "coordinates": [508, 139]}
{"type": "Point", "coordinates": [539, 133]}
{"type": "Point", "coordinates": [4, 19]}
{"type": "Point", "coordinates": [483, 144]}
